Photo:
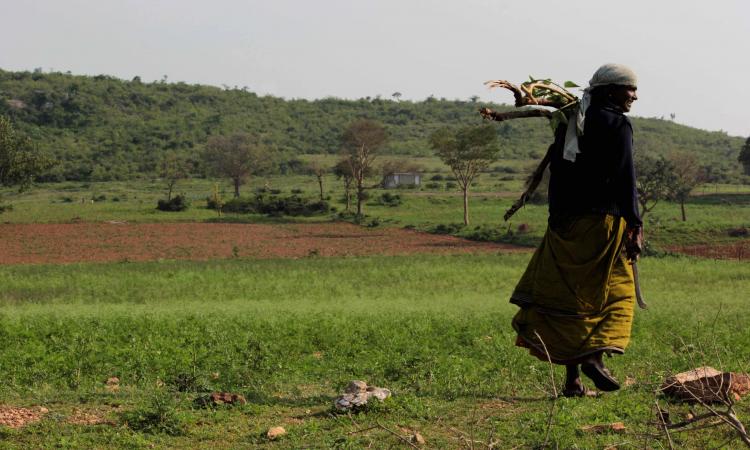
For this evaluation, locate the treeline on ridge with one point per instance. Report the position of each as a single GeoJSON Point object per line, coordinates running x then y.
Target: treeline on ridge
{"type": "Point", "coordinates": [102, 128]}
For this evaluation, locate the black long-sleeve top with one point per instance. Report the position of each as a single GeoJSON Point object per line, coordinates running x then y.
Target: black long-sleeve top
{"type": "Point", "coordinates": [602, 178]}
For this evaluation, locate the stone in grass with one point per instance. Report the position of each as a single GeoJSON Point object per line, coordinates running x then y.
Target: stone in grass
{"type": "Point", "coordinates": [615, 427]}
{"type": "Point", "coordinates": [417, 438]}
{"type": "Point", "coordinates": [357, 394]}
{"type": "Point", "coordinates": [275, 433]}
{"type": "Point", "coordinates": [220, 398]}
{"type": "Point", "coordinates": [707, 385]}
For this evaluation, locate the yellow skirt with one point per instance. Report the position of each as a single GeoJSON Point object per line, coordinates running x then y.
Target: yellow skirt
{"type": "Point", "coordinates": [577, 294]}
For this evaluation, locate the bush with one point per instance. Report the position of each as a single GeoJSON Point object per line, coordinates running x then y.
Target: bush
{"type": "Point", "coordinates": [433, 185]}
{"type": "Point", "coordinates": [273, 205]}
{"type": "Point", "coordinates": [388, 199]}
{"type": "Point", "coordinates": [159, 416]}
{"type": "Point", "coordinates": [177, 203]}
{"type": "Point", "coordinates": [296, 191]}
{"type": "Point", "coordinates": [451, 228]}
{"type": "Point", "coordinates": [239, 205]}
{"type": "Point", "coordinates": [450, 186]}
{"type": "Point", "coordinates": [437, 177]}
{"type": "Point", "coordinates": [290, 206]}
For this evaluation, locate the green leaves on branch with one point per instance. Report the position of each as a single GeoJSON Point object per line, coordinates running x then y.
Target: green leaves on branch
{"type": "Point", "coordinates": [20, 162]}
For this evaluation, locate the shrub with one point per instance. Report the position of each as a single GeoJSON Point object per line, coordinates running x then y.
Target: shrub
{"type": "Point", "coordinates": [296, 191]}
{"type": "Point", "coordinates": [273, 205]}
{"type": "Point", "coordinates": [158, 416]}
{"type": "Point", "coordinates": [388, 199]}
{"type": "Point", "coordinates": [290, 206]}
{"type": "Point", "coordinates": [437, 177]}
{"type": "Point", "coordinates": [177, 203]}
{"type": "Point", "coordinates": [239, 205]}
{"type": "Point", "coordinates": [450, 186]}
{"type": "Point", "coordinates": [450, 228]}
{"type": "Point", "coordinates": [433, 185]}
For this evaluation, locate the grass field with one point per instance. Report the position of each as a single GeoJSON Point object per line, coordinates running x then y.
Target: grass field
{"type": "Point", "coordinates": [289, 334]}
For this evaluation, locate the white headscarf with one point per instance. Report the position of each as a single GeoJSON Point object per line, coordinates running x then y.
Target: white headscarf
{"type": "Point", "coordinates": [605, 75]}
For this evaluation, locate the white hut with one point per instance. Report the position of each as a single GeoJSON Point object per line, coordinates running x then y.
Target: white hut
{"type": "Point", "coordinates": [402, 179]}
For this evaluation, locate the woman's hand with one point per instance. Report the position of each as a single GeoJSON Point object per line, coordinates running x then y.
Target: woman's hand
{"type": "Point", "coordinates": [633, 243]}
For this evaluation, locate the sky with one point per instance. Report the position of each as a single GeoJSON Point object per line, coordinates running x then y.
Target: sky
{"type": "Point", "coordinates": [692, 57]}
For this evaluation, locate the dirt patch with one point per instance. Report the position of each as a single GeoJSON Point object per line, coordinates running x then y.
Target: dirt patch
{"type": "Point", "coordinates": [104, 242]}
{"type": "Point", "coordinates": [19, 417]}
{"type": "Point", "coordinates": [738, 250]}
{"type": "Point", "coordinates": [84, 418]}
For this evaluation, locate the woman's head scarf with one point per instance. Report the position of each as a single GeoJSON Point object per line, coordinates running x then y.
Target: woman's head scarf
{"type": "Point", "coordinates": [607, 74]}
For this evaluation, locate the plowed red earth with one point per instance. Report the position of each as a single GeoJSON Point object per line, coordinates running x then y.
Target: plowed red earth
{"type": "Point", "coordinates": [739, 250]}
{"type": "Point", "coordinates": [102, 242]}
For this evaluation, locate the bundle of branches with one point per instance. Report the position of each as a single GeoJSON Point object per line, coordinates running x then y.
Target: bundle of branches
{"type": "Point", "coordinates": [533, 96]}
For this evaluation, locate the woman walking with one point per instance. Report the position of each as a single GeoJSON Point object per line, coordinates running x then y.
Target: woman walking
{"type": "Point", "coordinates": [577, 295]}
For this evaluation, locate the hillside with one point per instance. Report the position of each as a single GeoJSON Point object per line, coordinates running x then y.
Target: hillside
{"type": "Point", "coordinates": [103, 128]}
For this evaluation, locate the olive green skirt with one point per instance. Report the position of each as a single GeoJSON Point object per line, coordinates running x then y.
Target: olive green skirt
{"type": "Point", "coordinates": [577, 294]}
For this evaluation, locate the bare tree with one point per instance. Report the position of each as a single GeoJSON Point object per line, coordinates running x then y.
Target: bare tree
{"type": "Point", "coordinates": [343, 171]}
{"type": "Point", "coordinates": [360, 144]}
{"type": "Point", "coordinates": [172, 168]}
{"type": "Point", "coordinates": [687, 176]}
{"type": "Point", "coordinates": [466, 152]}
{"type": "Point", "coordinates": [236, 156]}
{"type": "Point", "coordinates": [317, 169]}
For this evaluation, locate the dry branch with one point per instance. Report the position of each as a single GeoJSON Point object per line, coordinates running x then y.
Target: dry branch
{"type": "Point", "coordinates": [531, 93]}
{"type": "Point", "coordinates": [487, 113]}
{"type": "Point", "coordinates": [524, 94]}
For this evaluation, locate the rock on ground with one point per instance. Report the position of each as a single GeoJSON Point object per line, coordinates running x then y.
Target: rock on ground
{"type": "Point", "coordinates": [706, 384]}
{"type": "Point", "coordinates": [357, 394]}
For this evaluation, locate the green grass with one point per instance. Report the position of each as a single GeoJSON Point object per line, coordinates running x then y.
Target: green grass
{"type": "Point", "coordinates": [289, 334]}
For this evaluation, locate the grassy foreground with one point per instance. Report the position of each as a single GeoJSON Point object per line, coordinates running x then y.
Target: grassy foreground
{"type": "Point", "coordinates": [289, 335]}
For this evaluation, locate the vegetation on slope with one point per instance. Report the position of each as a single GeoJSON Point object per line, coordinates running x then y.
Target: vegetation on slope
{"type": "Point", "coordinates": [103, 128]}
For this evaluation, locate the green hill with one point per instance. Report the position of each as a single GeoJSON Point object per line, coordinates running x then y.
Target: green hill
{"type": "Point", "coordinates": [104, 128]}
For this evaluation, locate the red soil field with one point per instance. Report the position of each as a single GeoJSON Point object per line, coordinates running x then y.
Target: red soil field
{"type": "Point", "coordinates": [739, 251]}
{"type": "Point", "coordinates": [103, 242]}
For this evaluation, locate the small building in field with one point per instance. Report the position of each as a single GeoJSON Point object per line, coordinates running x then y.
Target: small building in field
{"type": "Point", "coordinates": [402, 179]}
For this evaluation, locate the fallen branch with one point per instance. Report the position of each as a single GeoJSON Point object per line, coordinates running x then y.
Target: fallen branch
{"type": "Point", "coordinates": [406, 441]}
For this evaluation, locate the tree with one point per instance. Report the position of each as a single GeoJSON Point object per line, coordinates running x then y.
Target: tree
{"type": "Point", "coordinates": [343, 171]}
{"type": "Point", "coordinates": [172, 168]}
{"type": "Point", "coordinates": [396, 95]}
{"type": "Point", "coordinates": [236, 156]}
{"type": "Point", "coordinates": [655, 178]}
{"type": "Point", "coordinates": [466, 152]}
{"type": "Point", "coordinates": [317, 169]}
{"type": "Point", "coordinates": [20, 162]}
{"type": "Point", "coordinates": [744, 157]}
{"type": "Point", "coordinates": [687, 176]}
{"type": "Point", "coordinates": [360, 144]}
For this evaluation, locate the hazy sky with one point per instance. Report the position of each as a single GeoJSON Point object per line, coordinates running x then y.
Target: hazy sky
{"type": "Point", "coordinates": [692, 57]}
